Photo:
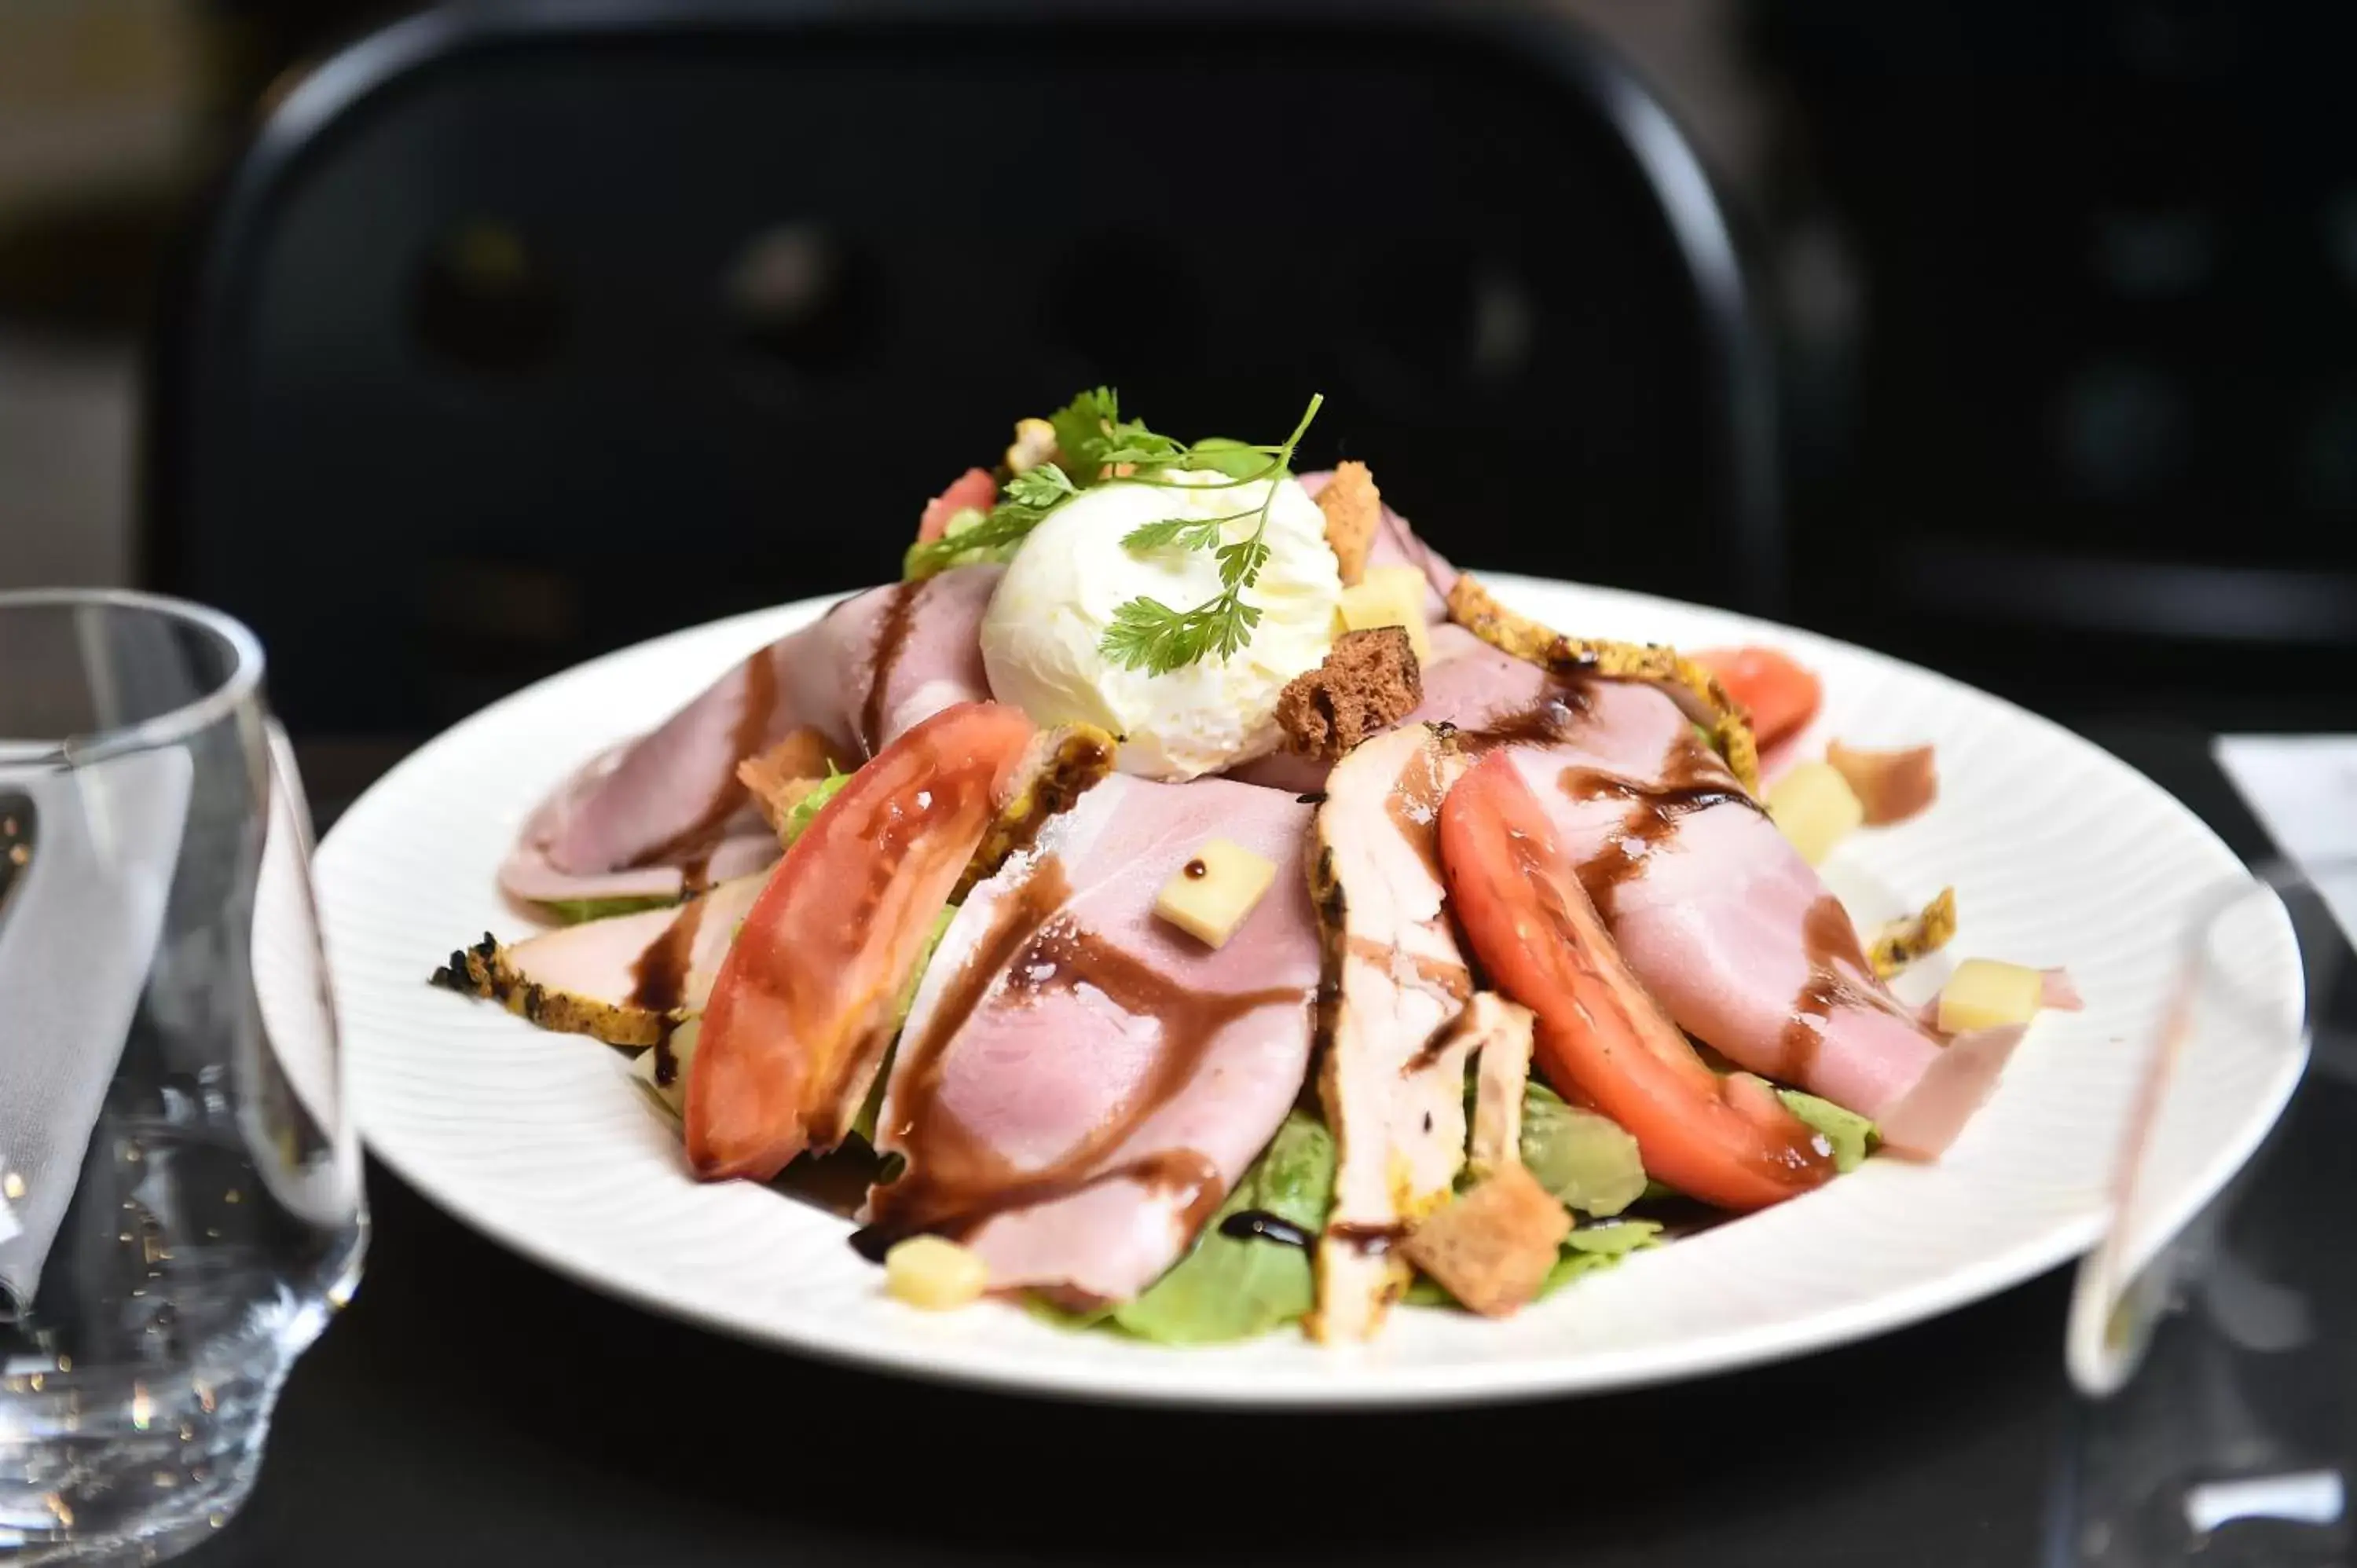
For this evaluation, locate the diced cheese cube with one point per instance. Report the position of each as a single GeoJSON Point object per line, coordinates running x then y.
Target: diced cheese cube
{"type": "Point", "coordinates": [1389, 596]}
{"type": "Point", "coordinates": [1210, 896]}
{"type": "Point", "coordinates": [1987, 994]}
{"type": "Point", "coordinates": [934, 1273]}
{"type": "Point", "coordinates": [1815, 808]}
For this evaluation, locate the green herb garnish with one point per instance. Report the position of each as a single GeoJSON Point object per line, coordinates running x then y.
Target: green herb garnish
{"type": "Point", "coordinates": [1147, 634]}
{"type": "Point", "coordinates": [1030, 496]}
{"type": "Point", "coordinates": [1094, 445]}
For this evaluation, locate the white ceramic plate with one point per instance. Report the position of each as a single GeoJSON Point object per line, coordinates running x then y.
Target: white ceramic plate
{"type": "Point", "coordinates": [2059, 855]}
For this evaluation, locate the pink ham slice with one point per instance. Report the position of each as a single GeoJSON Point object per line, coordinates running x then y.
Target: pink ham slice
{"type": "Point", "coordinates": [1730, 928]}
{"type": "Point", "coordinates": [635, 820]}
{"type": "Point", "coordinates": [1078, 1084]}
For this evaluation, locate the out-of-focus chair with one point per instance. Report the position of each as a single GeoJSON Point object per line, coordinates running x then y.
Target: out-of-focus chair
{"type": "Point", "coordinates": [520, 333]}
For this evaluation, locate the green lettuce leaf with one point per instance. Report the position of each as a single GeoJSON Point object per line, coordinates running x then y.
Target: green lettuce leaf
{"type": "Point", "coordinates": [1585, 1159]}
{"type": "Point", "coordinates": [864, 1126]}
{"type": "Point", "coordinates": [574, 911]}
{"type": "Point", "coordinates": [1227, 1289]}
{"type": "Point", "coordinates": [1592, 1247]}
{"type": "Point", "coordinates": [1851, 1135]}
{"type": "Point", "coordinates": [809, 805]}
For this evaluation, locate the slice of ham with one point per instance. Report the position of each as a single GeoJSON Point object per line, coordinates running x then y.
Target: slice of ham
{"type": "Point", "coordinates": [1078, 1083]}
{"type": "Point", "coordinates": [637, 821]}
{"type": "Point", "coordinates": [1393, 1081]}
{"type": "Point", "coordinates": [1728, 927]}
{"type": "Point", "coordinates": [1893, 786]}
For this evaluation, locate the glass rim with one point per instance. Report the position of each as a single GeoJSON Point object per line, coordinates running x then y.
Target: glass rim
{"type": "Point", "coordinates": [234, 690]}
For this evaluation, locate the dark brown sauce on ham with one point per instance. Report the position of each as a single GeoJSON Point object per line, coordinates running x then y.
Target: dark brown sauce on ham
{"type": "Point", "coordinates": [1551, 718]}
{"type": "Point", "coordinates": [659, 975]}
{"type": "Point", "coordinates": [694, 843]}
{"type": "Point", "coordinates": [1837, 968]}
{"type": "Point", "coordinates": [891, 635]}
{"type": "Point", "coordinates": [955, 1180]}
{"type": "Point", "coordinates": [1692, 778]}
{"type": "Point", "coordinates": [1414, 806]}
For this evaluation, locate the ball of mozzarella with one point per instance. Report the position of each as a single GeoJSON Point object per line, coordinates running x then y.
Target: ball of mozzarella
{"type": "Point", "coordinates": [1040, 635]}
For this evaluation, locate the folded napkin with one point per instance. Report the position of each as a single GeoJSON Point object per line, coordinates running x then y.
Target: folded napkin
{"type": "Point", "coordinates": [89, 868]}
{"type": "Point", "coordinates": [2303, 790]}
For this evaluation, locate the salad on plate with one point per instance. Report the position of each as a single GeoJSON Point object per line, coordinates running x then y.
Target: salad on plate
{"type": "Point", "coordinates": [1188, 905]}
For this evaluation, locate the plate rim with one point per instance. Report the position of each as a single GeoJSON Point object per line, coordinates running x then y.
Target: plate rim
{"type": "Point", "coordinates": [1166, 1379]}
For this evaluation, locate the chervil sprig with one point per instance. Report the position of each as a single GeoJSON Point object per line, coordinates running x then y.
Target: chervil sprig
{"type": "Point", "coordinates": [1030, 497]}
{"type": "Point", "coordinates": [1146, 634]}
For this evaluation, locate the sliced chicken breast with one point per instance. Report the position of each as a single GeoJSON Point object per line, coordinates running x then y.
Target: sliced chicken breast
{"type": "Point", "coordinates": [1393, 1078]}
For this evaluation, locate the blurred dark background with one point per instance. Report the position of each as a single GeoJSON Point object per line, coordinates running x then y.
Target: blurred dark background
{"type": "Point", "coordinates": [2062, 299]}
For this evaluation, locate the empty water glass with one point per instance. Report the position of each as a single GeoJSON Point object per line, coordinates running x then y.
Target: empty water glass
{"type": "Point", "coordinates": [2208, 1346]}
{"type": "Point", "coordinates": [180, 1187]}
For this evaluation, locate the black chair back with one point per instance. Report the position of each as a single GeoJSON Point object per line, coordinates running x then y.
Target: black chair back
{"type": "Point", "coordinates": [523, 333]}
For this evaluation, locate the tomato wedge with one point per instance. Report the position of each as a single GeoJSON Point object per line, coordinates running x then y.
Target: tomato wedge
{"type": "Point", "coordinates": [801, 1012]}
{"type": "Point", "coordinates": [973, 490]}
{"type": "Point", "coordinates": [1600, 1038]}
{"type": "Point", "coordinates": [1780, 693]}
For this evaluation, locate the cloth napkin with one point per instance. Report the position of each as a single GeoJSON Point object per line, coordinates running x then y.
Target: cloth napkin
{"type": "Point", "coordinates": [78, 925]}
{"type": "Point", "coordinates": [2303, 790]}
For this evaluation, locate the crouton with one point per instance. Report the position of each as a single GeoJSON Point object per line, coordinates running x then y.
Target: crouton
{"type": "Point", "coordinates": [1696, 689]}
{"type": "Point", "coordinates": [779, 778]}
{"type": "Point", "coordinates": [1492, 1245]}
{"type": "Point", "coordinates": [1354, 511]}
{"type": "Point", "coordinates": [1369, 682]}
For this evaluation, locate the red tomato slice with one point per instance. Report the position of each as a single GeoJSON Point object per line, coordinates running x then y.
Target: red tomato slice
{"type": "Point", "coordinates": [1601, 1039]}
{"type": "Point", "coordinates": [801, 1012]}
{"type": "Point", "coordinates": [1779, 693]}
{"type": "Point", "coordinates": [974, 489]}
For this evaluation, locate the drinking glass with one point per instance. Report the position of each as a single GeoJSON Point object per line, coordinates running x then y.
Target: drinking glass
{"type": "Point", "coordinates": [2212, 1344]}
{"type": "Point", "coordinates": [179, 1189]}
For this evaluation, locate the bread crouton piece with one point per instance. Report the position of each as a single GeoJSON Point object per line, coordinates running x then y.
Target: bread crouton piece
{"type": "Point", "coordinates": [779, 778]}
{"type": "Point", "coordinates": [1695, 690]}
{"type": "Point", "coordinates": [1491, 1246]}
{"type": "Point", "coordinates": [1354, 512]}
{"type": "Point", "coordinates": [1369, 682]}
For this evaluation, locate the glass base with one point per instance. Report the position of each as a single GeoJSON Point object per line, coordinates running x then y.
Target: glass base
{"type": "Point", "coordinates": [108, 1466]}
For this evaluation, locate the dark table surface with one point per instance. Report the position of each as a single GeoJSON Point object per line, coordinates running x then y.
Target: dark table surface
{"type": "Point", "coordinates": [471, 1408]}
